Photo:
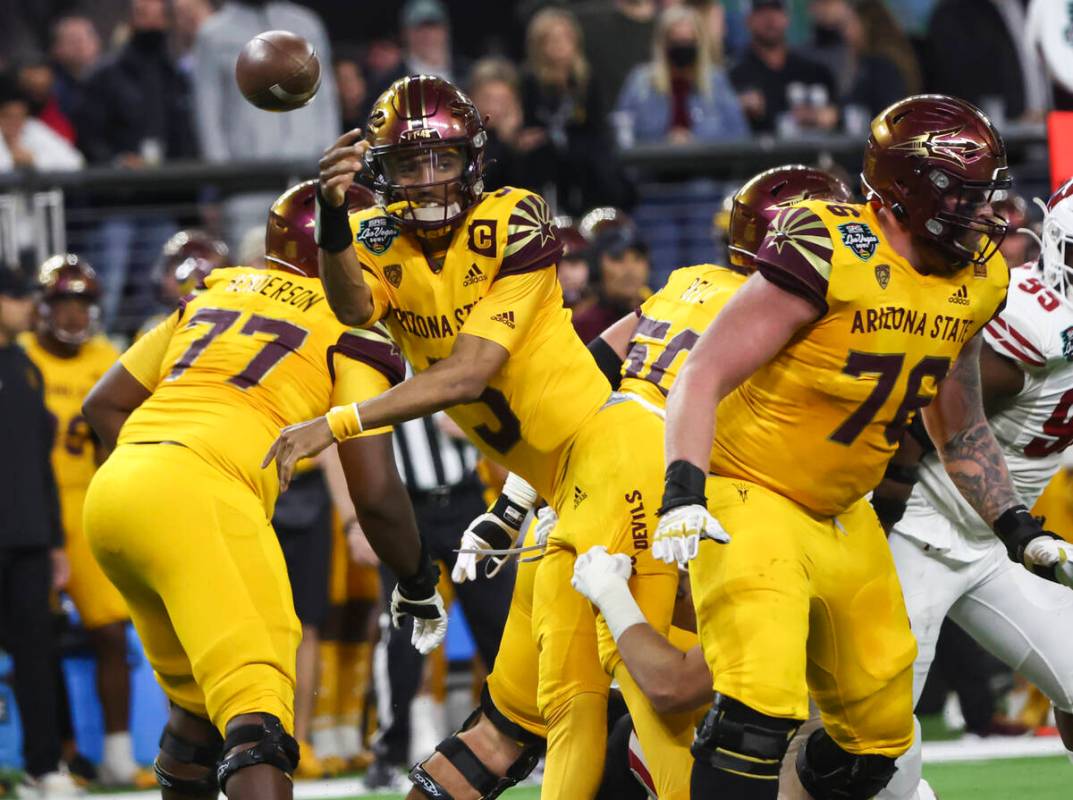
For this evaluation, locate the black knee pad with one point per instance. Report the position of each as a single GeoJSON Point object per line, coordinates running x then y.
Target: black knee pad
{"type": "Point", "coordinates": [271, 745]}
{"type": "Point", "coordinates": [184, 751]}
{"type": "Point", "coordinates": [735, 738]}
{"type": "Point", "coordinates": [830, 773]}
{"type": "Point", "coordinates": [466, 761]}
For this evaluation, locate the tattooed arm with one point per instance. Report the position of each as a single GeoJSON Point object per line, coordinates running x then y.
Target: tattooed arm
{"type": "Point", "coordinates": [956, 424]}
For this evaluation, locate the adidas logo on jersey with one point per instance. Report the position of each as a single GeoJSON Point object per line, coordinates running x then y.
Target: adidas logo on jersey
{"type": "Point", "coordinates": [506, 317]}
{"type": "Point", "coordinates": [579, 497]}
{"type": "Point", "coordinates": [474, 276]}
{"type": "Point", "coordinates": [960, 297]}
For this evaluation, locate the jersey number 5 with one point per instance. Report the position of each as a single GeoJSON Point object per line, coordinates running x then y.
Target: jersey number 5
{"type": "Point", "coordinates": [888, 367]}
{"type": "Point", "coordinates": [288, 338]}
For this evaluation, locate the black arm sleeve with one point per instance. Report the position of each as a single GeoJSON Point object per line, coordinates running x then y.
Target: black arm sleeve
{"type": "Point", "coordinates": [607, 360]}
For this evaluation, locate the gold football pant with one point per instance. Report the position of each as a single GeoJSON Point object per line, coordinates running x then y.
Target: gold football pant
{"type": "Point", "coordinates": [98, 602]}
{"type": "Point", "coordinates": [608, 495]}
{"type": "Point", "coordinates": [799, 604]}
{"type": "Point", "coordinates": [201, 571]}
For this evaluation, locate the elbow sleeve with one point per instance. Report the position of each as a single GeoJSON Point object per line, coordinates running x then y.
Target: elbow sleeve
{"type": "Point", "coordinates": [607, 360]}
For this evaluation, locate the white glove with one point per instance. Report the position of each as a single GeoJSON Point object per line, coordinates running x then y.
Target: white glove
{"type": "Point", "coordinates": [680, 530]}
{"type": "Point", "coordinates": [596, 570]}
{"type": "Point", "coordinates": [466, 564]}
{"type": "Point", "coordinates": [495, 529]}
{"type": "Point", "coordinates": [547, 519]}
{"type": "Point", "coordinates": [602, 579]}
{"type": "Point", "coordinates": [430, 619]}
{"type": "Point", "coordinates": [1043, 551]}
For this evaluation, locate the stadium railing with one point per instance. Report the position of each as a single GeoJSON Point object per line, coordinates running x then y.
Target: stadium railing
{"type": "Point", "coordinates": [106, 212]}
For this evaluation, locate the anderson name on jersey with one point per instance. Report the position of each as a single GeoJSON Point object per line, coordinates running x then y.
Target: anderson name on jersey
{"type": "Point", "coordinates": [1035, 330]}
{"type": "Point", "coordinates": [257, 350]}
{"type": "Point", "coordinates": [819, 423]}
{"type": "Point", "coordinates": [497, 282]}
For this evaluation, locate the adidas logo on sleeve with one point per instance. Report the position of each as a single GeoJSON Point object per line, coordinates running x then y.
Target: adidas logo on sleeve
{"type": "Point", "coordinates": [506, 317]}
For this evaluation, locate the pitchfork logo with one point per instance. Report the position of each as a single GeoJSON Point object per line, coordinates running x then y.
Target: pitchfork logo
{"type": "Point", "coordinates": [946, 145]}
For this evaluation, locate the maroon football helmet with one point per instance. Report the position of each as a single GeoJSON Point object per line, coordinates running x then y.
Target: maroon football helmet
{"type": "Point", "coordinates": [186, 260]}
{"type": "Point", "coordinates": [426, 151]}
{"type": "Point", "coordinates": [289, 242]}
{"type": "Point", "coordinates": [64, 276]}
{"type": "Point", "coordinates": [575, 245]}
{"type": "Point", "coordinates": [765, 195]}
{"type": "Point", "coordinates": [938, 164]}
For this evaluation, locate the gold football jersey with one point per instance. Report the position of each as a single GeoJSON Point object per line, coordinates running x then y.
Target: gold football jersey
{"type": "Point", "coordinates": [67, 382]}
{"type": "Point", "coordinates": [498, 282]}
{"type": "Point", "coordinates": [670, 323]}
{"type": "Point", "coordinates": [257, 350]}
{"type": "Point", "coordinates": [819, 422]}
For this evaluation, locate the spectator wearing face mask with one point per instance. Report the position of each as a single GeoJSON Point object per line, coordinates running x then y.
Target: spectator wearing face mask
{"type": "Point", "coordinates": [867, 81]}
{"type": "Point", "coordinates": [681, 95]}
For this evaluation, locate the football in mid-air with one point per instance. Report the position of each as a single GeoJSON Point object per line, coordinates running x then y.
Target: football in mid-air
{"type": "Point", "coordinates": [278, 71]}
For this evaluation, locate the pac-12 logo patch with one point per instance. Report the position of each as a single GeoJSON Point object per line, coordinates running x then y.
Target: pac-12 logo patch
{"type": "Point", "coordinates": [1067, 344]}
{"type": "Point", "coordinates": [882, 275]}
{"type": "Point", "coordinates": [858, 237]}
{"type": "Point", "coordinates": [377, 234]}
{"type": "Point", "coordinates": [393, 273]}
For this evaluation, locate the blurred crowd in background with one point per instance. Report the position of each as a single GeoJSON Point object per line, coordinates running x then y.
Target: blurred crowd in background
{"type": "Point", "coordinates": [565, 87]}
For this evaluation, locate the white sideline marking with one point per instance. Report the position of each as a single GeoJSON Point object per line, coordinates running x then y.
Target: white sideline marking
{"type": "Point", "coordinates": [992, 747]}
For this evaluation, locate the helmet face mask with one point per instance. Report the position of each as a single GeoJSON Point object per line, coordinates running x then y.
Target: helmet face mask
{"type": "Point", "coordinates": [70, 319]}
{"type": "Point", "coordinates": [425, 182]}
{"type": "Point", "coordinates": [425, 161]}
{"type": "Point", "coordinates": [68, 311]}
{"type": "Point", "coordinates": [1056, 249]}
{"type": "Point", "coordinates": [757, 202]}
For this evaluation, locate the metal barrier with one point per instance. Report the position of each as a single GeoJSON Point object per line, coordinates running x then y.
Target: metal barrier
{"type": "Point", "coordinates": [119, 218]}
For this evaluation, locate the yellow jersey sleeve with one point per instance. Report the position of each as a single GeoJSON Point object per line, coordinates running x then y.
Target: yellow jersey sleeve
{"type": "Point", "coordinates": [364, 364]}
{"type": "Point", "coordinates": [506, 314]}
{"type": "Point", "coordinates": [145, 357]}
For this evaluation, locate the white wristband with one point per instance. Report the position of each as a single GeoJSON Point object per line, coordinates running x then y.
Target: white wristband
{"type": "Point", "coordinates": [519, 492]}
{"type": "Point", "coordinates": [619, 608]}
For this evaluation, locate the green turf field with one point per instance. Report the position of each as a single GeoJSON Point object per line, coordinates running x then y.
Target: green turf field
{"type": "Point", "coordinates": [1005, 779]}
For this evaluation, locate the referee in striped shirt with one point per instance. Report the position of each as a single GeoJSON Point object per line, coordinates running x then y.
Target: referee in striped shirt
{"type": "Point", "coordinates": [439, 467]}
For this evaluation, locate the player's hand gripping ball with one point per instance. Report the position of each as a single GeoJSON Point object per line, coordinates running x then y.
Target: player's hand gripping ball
{"type": "Point", "coordinates": [278, 71]}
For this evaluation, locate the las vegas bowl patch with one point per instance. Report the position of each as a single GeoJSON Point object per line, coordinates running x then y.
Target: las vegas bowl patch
{"type": "Point", "coordinates": [377, 234]}
{"type": "Point", "coordinates": [858, 237]}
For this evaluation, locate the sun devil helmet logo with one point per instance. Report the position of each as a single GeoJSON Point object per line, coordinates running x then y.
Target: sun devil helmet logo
{"type": "Point", "coordinates": [946, 145]}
